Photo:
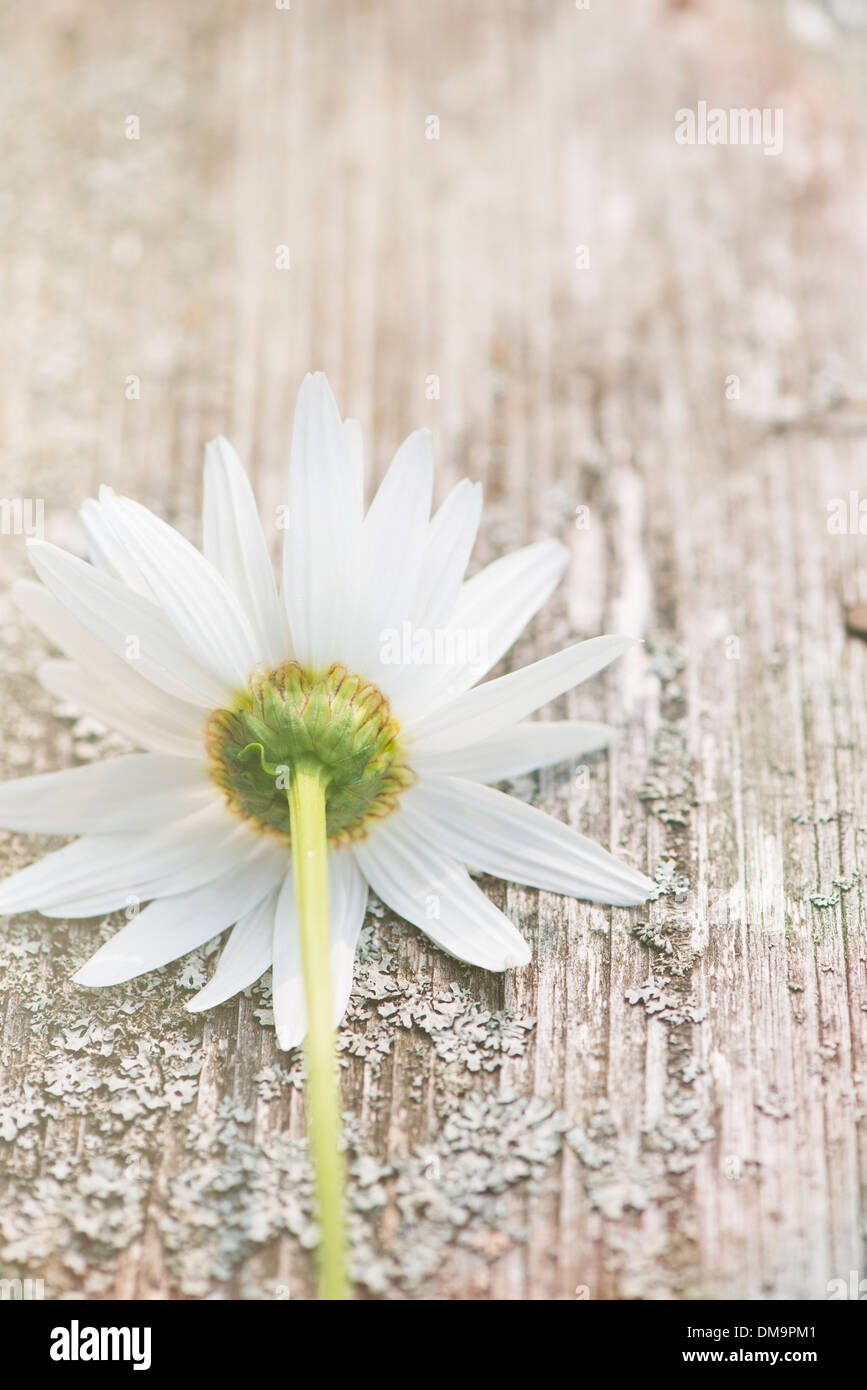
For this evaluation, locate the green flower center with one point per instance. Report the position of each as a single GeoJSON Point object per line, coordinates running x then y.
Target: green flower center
{"type": "Point", "coordinates": [336, 723]}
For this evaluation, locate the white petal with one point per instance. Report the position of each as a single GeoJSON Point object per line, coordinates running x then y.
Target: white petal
{"type": "Point", "coordinates": [108, 686]}
{"type": "Point", "coordinates": [354, 442]}
{"type": "Point", "coordinates": [238, 847]}
{"type": "Point", "coordinates": [494, 607]}
{"type": "Point", "coordinates": [347, 900]}
{"type": "Point", "coordinates": [202, 609]}
{"type": "Point", "coordinates": [347, 904]}
{"type": "Point", "coordinates": [107, 551]}
{"type": "Point", "coordinates": [435, 892]}
{"type": "Point", "coordinates": [507, 838]}
{"type": "Point", "coordinates": [245, 957]}
{"type": "Point", "coordinates": [125, 621]}
{"type": "Point", "coordinates": [451, 536]}
{"type": "Point", "coordinates": [134, 713]}
{"type": "Point", "coordinates": [234, 543]}
{"type": "Point", "coordinates": [128, 793]}
{"type": "Point", "coordinates": [393, 542]}
{"type": "Point", "coordinates": [321, 541]}
{"type": "Point", "coordinates": [100, 873]}
{"type": "Point", "coordinates": [488, 709]}
{"type": "Point", "coordinates": [173, 926]}
{"type": "Point", "coordinates": [287, 985]}
{"type": "Point", "coordinates": [518, 749]}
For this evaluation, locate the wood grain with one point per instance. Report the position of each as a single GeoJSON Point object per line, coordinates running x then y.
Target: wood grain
{"type": "Point", "coordinates": [669, 1102]}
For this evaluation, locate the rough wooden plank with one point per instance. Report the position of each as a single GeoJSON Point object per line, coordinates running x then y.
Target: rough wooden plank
{"type": "Point", "coordinates": [667, 1102]}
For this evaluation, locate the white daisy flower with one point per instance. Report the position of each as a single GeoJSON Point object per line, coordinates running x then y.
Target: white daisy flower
{"type": "Point", "coordinates": [346, 704]}
{"type": "Point", "coordinates": [369, 660]}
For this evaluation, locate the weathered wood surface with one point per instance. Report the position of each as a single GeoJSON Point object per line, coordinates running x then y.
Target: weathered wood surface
{"type": "Point", "coordinates": [668, 1102]}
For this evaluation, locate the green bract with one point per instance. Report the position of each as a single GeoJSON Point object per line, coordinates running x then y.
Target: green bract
{"type": "Point", "coordinates": [336, 724]}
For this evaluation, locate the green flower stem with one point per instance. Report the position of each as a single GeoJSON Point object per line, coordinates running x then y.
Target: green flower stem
{"type": "Point", "coordinates": [306, 795]}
